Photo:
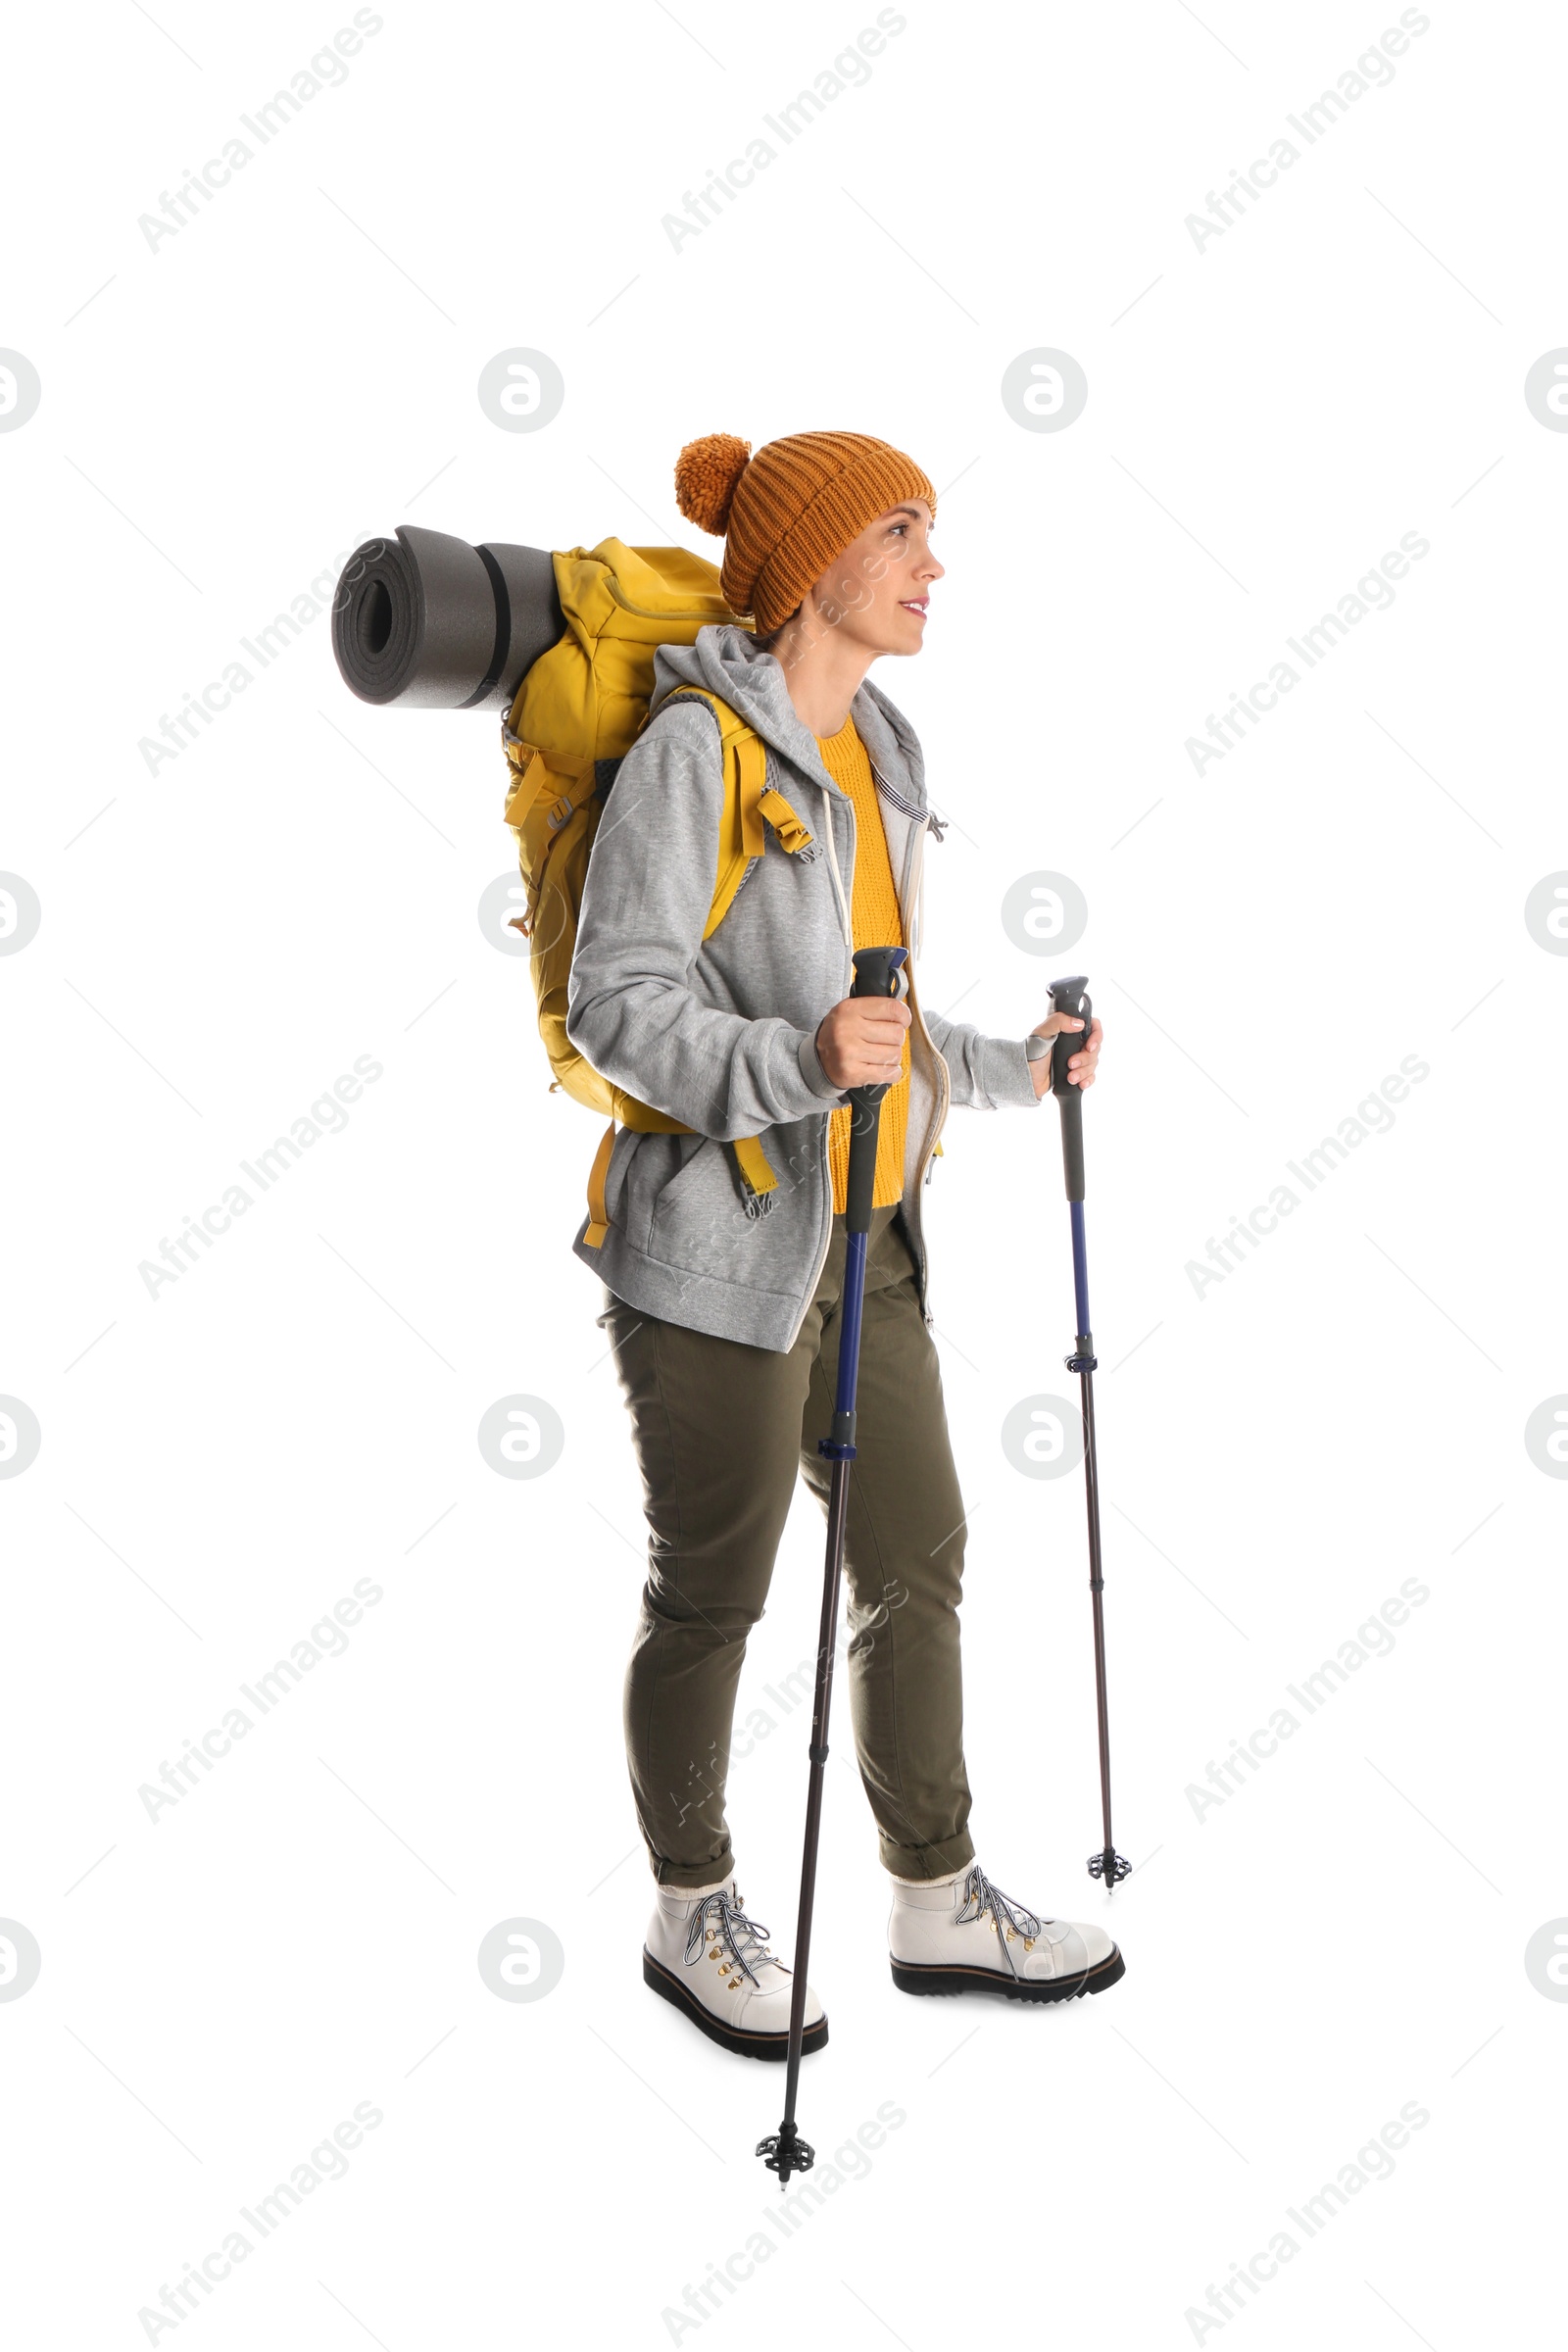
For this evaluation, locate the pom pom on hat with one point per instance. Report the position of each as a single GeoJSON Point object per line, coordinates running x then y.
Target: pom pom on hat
{"type": "Point", "coordinates": [707, 475]}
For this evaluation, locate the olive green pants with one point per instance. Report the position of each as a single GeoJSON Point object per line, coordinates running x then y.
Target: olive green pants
{"type": "Point", "coordinates": [720, 1430]}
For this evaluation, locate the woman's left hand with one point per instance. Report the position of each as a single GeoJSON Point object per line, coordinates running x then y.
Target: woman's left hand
{"type": "Point", "coordinates": [1081, 1065]}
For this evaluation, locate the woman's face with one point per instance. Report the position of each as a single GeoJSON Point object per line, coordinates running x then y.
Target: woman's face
{"type": "Point", "coordinates": [876, 591]}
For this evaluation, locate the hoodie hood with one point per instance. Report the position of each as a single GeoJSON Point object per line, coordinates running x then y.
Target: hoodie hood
{"type": "Point", "coordinates": [725, 659]}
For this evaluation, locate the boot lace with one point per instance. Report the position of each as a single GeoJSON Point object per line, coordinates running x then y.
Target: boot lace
{"type": "Point", "coordinates": [719, 1920]}
{"type": "Point", "coordinates": [1010, 1918]}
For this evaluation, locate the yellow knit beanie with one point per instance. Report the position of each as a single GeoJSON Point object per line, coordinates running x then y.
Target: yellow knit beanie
{"type": "Point", "coordinates": [788, 511]}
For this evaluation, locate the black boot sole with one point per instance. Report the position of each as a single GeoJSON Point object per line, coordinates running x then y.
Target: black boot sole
{"type": "Point", "coordinates": [745, 2045]}
{"type": "Point", "coordinates": [916, 1977]}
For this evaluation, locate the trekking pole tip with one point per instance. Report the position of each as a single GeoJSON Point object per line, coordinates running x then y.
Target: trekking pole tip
{"type": "Point", "coordinates": [784, 2151]}
{"type": "Point", "coordinates": [1109, 1866]}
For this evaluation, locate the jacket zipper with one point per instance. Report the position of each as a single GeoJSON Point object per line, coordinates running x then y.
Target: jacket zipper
{"type": "Point", "coordinates": [933, 1138]}
{"type": "Point", "coordinates": [845, 983]}
{"type": "Point", "coordinates": [911, 876]}
{"type": "Point", "coordinates": [913, 866]}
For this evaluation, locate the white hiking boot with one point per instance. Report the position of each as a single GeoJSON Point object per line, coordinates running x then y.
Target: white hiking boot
{"type": "Point", "coordinates": [962, 1934]}
{"type": "Point", "coordinates": [710, 1961]}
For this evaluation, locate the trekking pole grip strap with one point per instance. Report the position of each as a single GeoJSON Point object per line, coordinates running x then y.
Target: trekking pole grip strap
{"type": "Point", "coordinates": [878, 973]}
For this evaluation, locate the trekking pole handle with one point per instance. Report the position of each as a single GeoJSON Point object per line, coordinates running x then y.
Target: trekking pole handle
{"type": "Point", "coordinates": [1070, 996]}
{"type": "Point", "coordinates": [878, 973]}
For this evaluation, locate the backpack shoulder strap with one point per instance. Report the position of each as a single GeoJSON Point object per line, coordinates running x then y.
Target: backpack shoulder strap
{"type": "Point", "coordinates": [749, 798]}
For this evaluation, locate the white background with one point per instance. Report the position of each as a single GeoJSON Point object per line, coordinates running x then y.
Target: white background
{"type": "Point", "coordinates": [222, 417]}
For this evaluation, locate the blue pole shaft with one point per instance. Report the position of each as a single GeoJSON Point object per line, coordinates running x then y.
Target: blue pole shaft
{"type": "Point", "coordinates": [853, 1299]}
{"type": "Point", "coordinates": [1079, 1265]}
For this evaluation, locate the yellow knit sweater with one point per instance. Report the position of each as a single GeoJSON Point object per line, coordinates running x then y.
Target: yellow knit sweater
{"type": "Point", "coordinates": [874, 922]}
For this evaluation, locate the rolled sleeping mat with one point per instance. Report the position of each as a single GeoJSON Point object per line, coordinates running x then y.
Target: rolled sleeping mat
{"type": "Point", "coordinates": [428, 623]}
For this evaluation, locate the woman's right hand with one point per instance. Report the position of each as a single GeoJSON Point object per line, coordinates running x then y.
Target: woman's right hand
{"type": "Point", "coordinates": [861, 1042]}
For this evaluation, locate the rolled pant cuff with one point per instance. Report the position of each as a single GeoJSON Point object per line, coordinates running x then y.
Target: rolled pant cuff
{"type": "Point", "coordinates": [926, 1861]}
{"type": "Point", "coordinates": [695, 1873]}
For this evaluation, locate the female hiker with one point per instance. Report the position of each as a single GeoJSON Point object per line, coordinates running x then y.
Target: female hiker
{"type": "Point", "coordinates": [723, 1321]}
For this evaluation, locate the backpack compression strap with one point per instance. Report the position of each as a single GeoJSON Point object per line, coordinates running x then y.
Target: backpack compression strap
{"type": "Point", "coordinates": [598, 1214]}
{"type": "Point", "coordinates": [750, 1158]}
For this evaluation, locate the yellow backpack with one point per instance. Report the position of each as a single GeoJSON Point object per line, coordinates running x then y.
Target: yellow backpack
{"type": "Point", "coordinates": [576, 714]}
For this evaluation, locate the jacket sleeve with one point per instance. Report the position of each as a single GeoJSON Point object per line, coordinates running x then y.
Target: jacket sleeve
{"type": "Point", "coordinates": [987, 1073]}
{"type": "Point", "coordinates": [649, 884]}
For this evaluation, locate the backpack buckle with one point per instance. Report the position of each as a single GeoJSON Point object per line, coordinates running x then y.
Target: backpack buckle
{"type": "Point", "coordinates": [555, 816]}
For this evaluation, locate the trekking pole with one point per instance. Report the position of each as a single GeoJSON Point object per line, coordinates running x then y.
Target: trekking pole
{"type": "Point", "coordinates": [878, 973]}
{"type": "Point", "coordinates": [1072, 996]}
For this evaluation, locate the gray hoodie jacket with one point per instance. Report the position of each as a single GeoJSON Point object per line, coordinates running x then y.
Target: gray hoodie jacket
{"type": "Point", "coordinates": [720, 1033]}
